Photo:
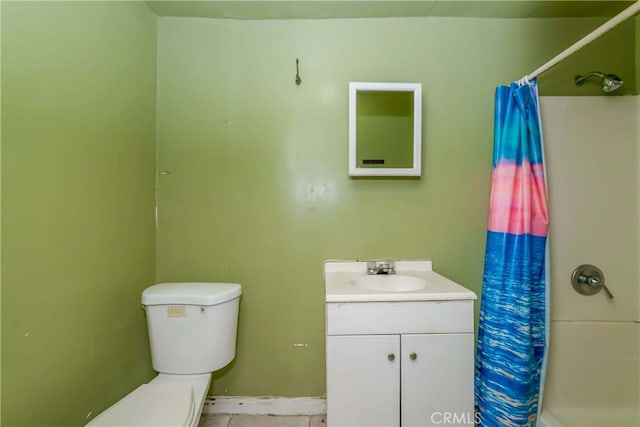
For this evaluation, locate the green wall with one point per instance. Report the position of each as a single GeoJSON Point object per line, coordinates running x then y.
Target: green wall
{"type": "Point", "coordinates": [0, 218]}
{"type": "Point", "coordinates": [78, 161]}
{"type": "Point", "coordinates": [256, 188]}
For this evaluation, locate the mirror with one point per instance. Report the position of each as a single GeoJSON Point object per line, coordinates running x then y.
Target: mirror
{"type": "Point", "coordinates": [385, 125]}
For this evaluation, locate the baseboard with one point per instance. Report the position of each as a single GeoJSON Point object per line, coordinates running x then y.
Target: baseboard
{"type": "Point", "coordinates": [265, 405]}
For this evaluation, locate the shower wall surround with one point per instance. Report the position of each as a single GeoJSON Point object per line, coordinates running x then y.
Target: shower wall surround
{"type": "Point", "coordinates": [592, 155]}
{"type": "Point", "coordinates": [592, 147]}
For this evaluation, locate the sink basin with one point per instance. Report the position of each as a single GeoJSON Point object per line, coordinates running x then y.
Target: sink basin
{"type": "Point", "coordinates": [389, 283]}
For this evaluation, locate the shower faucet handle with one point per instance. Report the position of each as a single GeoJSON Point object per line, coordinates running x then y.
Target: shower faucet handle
{"type": "Point", "coordinates": [606, 290]}
{"type": "Point", "coordinates": [588, 280]}
{"type": "Point", "coordinates": [596, 282]}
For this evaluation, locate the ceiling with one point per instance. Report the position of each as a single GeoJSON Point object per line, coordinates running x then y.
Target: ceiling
{"type": "Point", "coordinates": [327, 9]}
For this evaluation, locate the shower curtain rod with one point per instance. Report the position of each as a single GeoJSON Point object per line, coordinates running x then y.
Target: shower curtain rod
{"type": "Point", "coordinates": [595, 34]}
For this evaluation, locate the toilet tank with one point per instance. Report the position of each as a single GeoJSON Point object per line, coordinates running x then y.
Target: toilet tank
{"type": "Point", "coordinates": [192, 326]}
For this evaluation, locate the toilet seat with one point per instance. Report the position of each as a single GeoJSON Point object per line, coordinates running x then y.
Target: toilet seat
{"type": "Point", "coordinates": [157, 404]}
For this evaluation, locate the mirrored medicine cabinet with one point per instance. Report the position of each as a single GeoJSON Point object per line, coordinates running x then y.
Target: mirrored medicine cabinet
{"type": "Point", "coordinates": [385, 125]}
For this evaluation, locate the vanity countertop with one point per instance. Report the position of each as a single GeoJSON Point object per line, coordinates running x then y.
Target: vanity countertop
{"type": "Point", "coordinates": [341, 275]}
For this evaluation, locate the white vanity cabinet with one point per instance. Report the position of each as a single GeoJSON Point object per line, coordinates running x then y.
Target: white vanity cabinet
{"type": "Point", "coordinates": [363, 380]}
{"type": "Point", "coordinates": [436, 378]}
{"type": "Point", "coordinates": [406, 363]}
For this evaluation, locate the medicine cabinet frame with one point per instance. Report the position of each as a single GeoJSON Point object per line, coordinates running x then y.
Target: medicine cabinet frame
{"type": "Point", "coordinates": [357, 170]}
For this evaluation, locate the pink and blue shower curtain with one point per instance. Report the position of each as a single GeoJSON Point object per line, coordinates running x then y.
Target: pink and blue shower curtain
{"type": "Point", "coordinates": [512, 330]}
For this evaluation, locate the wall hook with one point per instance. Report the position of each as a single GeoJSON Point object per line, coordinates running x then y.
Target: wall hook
{"type": "Point", "coordinates": [298, 79]}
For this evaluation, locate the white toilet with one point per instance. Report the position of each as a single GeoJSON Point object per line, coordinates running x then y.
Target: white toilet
{"type": "Point", "coordinates": [192, 332]}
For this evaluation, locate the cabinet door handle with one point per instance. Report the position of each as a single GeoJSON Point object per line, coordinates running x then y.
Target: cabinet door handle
{"type": "Point", "coordinates": [391, 356]}
{"type": "Point", "coordinates": [413, 356]}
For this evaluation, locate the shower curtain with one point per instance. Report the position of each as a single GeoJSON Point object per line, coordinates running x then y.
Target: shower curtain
{"type": "Point", "coordinates": [512, 330]}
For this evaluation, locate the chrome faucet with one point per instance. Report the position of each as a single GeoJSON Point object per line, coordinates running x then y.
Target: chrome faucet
{"type": "Point", "coordinates": [380, 267]}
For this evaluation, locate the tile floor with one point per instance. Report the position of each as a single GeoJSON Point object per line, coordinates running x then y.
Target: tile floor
{"type": "Point", "coordinates": [242, 420]}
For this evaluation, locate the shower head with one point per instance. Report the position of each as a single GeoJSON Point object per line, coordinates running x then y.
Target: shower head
{"type": "Point", "coordinates": [609, 82]}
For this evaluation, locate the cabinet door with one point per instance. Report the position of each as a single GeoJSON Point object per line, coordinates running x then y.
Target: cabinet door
{"type": "Point", "coordinates": [437, 380]}
{"type": "Point", "coordinates": [363, 380]}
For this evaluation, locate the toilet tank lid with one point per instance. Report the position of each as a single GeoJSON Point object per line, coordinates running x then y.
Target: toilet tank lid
{"type": "Point", "coordinates": [190, 293]}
